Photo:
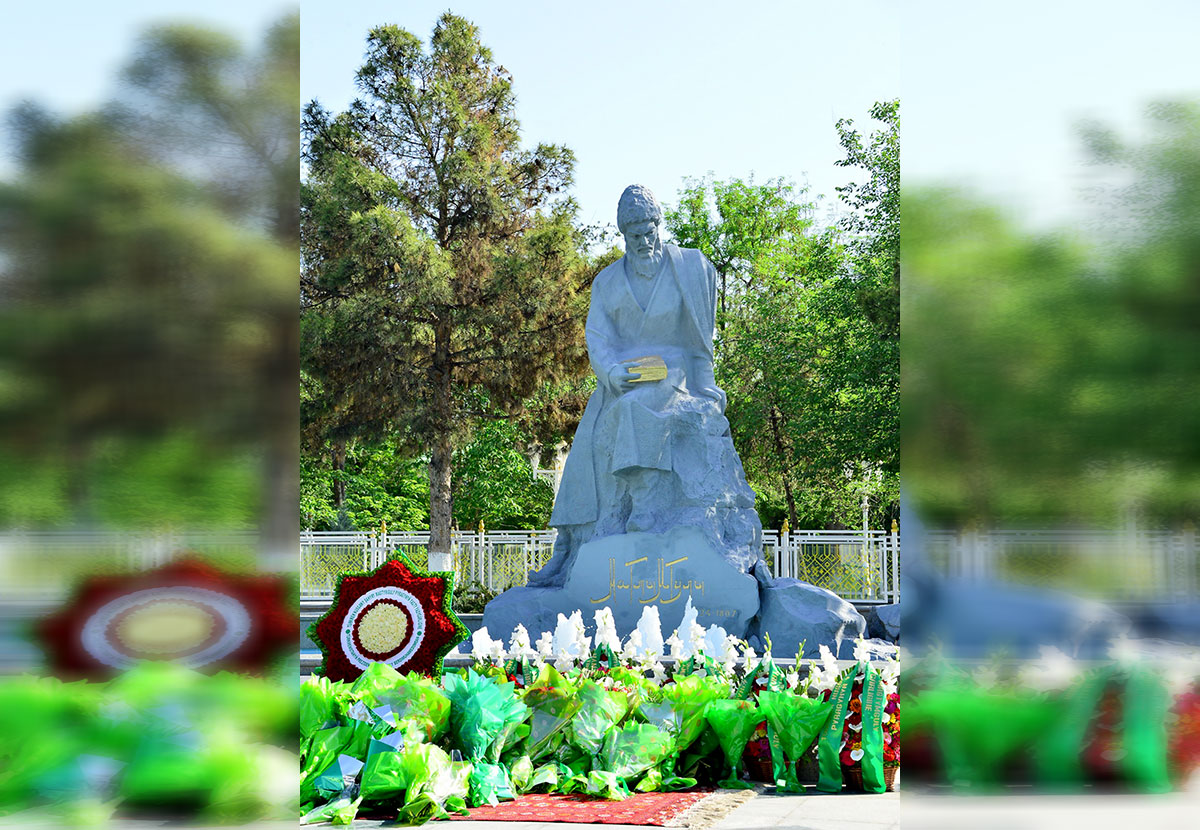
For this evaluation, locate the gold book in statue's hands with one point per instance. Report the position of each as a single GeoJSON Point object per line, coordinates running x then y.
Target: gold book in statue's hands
{"type": "Point", "coordinates": [648, 368]}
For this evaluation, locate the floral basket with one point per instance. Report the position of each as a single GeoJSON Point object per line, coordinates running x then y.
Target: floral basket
{"type": "Point", "coordinates": [854, 780]}
{"type": "Point", "coordinates": [757, 757]}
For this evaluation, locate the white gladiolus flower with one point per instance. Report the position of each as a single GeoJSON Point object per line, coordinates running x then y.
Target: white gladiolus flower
{"type": "Point", "coordinates": [861, 652]}
{"type": "Point", "coordinates": [829, 663]}
{"type": "Point", "coordinates": [660, 673]}
{"type": "Point", "coordinates": [650, 642]}
{"type": "Point", "coordinates": [606, 630]}
{"type": "Point", "coordinates": [1053, 670]}
{"type": "Point", "coordinates": [518, 645]}
{"type": "Point", "coordinates": [545, 645]}
{"type": "Point", "coordinates": [751, 656]}
{"type": "Point", "coordinates": [689, 637]}
{"type": "Point", "coordinates": [793, 679]}
{"type": "Point", "coordinates": [483, 647]}
{"type": "Point", "coordinates": [1124, 651]}
{"type": "Point", "coordinates": [633, 646]}
{"type": "Point", "coordinates": [717, 643]}
{"type": "Point", "coordinates": [569, 642]}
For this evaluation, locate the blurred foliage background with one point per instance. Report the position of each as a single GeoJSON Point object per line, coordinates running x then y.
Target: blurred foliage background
{"type": "Point", "coordinates": [148, 294]}
{"type": "Point", "coordinates": [1050, 376]}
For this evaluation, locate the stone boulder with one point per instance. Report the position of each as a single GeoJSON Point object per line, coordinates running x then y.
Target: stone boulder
{"type": "Point", "coordinates": [883, 622]}
{"type": "Point", "coordinates": [792, 612]}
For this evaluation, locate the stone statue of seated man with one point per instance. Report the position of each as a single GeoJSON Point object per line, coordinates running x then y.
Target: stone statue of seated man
{"type": "Point", "coordinates": [653, 449]}
{"type": "Point", "coordinates": [653, 507]}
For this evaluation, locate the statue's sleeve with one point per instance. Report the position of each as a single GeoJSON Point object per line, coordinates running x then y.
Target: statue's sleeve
{"type": "Point", "coordinates": [600, 332]}
{"type": "Point", "coordinates": [706, 314]}
{"type": "Point", "coordinates": [709, 306]}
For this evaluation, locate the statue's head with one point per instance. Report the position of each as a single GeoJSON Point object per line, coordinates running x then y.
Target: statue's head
{"type": "Point", "coordinates": [637, 204]}
{"type": "Point", "coordinates": [638, 220]}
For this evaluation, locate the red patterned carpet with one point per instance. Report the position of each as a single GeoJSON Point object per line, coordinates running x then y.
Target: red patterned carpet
{"type": "Point", "coordinates": [655, 809]}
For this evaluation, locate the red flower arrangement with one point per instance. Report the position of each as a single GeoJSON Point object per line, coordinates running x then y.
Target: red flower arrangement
{"type": "Point", "coordinates": [186, 612]}
{"type": "Point", "coordinates": [1184, 749]}
{"type": "Point", "coordinates": [1102, 747]}
{"type": "Point", "coordinates": [891, 731]}
{"type": "Point", "coordinates": [398, 614]}
{"type": "Point", "coordinates": [851, 749]}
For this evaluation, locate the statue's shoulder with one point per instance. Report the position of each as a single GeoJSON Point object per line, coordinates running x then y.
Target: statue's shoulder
{"type": "Point", "coordinates": [609, 273]}
{"type": "Point", "coordinates": [693, 258]}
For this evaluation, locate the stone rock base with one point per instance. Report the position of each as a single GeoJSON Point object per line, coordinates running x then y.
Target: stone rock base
{"type": "Point", "coordinates": [883, 623]}
{"type": "Point", "coordinates": [629, 572]}
{"type": "Point", "coordinates": [794, 612]}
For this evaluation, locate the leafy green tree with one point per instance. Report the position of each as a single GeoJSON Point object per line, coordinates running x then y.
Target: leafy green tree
{"type": "Point", "coordinates": [873, 223]}
{"type": "Point", "coordinates": [442, 277]}
{"type": "Point", "coordinates": [377, 487]}
{"type": "Point", "coordinates": [811, 378]}
{"type": "Point", "coordinates": [200, 101]}
{"type": "Point", "coordinates": [495, 484]}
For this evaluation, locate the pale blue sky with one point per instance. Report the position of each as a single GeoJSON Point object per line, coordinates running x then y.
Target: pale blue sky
{"type": "Point", "coordinates": [992, 91]}
{"type": "Point", "coordinates": [652, 92]}
{"type": "Point", "coordinates": [67, 55]}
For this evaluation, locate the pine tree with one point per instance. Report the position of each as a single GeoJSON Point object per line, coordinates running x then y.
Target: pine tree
{"type": "Point", "coordinates": [442, 276]}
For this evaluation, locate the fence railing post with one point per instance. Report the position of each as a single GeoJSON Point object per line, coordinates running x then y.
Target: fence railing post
{"type": "Point", "coordinates": [894, 553]}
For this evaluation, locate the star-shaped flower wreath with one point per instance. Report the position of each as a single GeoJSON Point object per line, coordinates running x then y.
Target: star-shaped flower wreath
{"type": "Point", "coordinates": [398, 614]}
{"type": "Point", "coordinates": [186, 611]}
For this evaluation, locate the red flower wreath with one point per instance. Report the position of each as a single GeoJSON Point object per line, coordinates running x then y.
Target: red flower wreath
{"type": "Point", "coordinates": [398, 614]}
{"type": "Point", "coordinates": [186, 612]}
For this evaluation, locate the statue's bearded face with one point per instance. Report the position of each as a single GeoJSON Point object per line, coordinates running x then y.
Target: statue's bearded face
{"type": "Point", "coordinates": [643, 243]}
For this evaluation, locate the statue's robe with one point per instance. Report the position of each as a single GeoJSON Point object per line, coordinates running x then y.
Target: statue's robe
{"type": "Point", "coordinates": [669, 436]}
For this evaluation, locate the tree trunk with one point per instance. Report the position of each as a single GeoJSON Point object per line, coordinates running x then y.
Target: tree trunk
{"type": "Point", "coordinates": [441, 457]}
{"type": "Point", "coordinates": [440, 505]}
{"type": "Point", "coordinates": [783, 460]}
{"type": "Point", "coordinates": [338, 456]}
{"type": "Point", "coordinates": [280, 526]}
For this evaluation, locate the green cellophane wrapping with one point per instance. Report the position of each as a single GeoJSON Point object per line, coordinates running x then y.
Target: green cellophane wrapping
{"type": "Point", "coordinates": [796, 721]}
{"type": "Point", "coordinates": [733, 721]}
{"type": "Point", "coordinates": [520, 771]}
{"type": "Point", "coordinates": [436, 784]}
{"type": "Point", "coordinates": [960, 719]}
{"type": "Point", "coordinates": [546, 777]}
{"type": "Point", "coordinates": [416, 698]}
{"type": "Point", "coordinates": [341, 810]}
{"type": "Point", "coordinates": [1141, 736]}
{"type": "Point", "coordinates": [30, 709]}
{"type": "Point", "coordinates": [631, 750]}
{"type": "Point", "coordinates": [490, 784]}
{"type": "Point", "coordinates": [655, 780]}
{"type": "Point", "coordinates": [375, 678]}
{"type": "Point", "coordinates": [552, 707]}
{"type": "Point", "coordinates": [316, 705]}
{"type": "Point", "coordinates": [483, 713]}
{"type": "Point", "coordinates": [598, 783]}
{"type": "Point", "coordinates": [600, 710]}
{"type": "Point", "coordinates": [681, 710]}
{"type": "Point", "coordinates": [325, 746]}
{"type": "Point", "coordinates": [571, 760]}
